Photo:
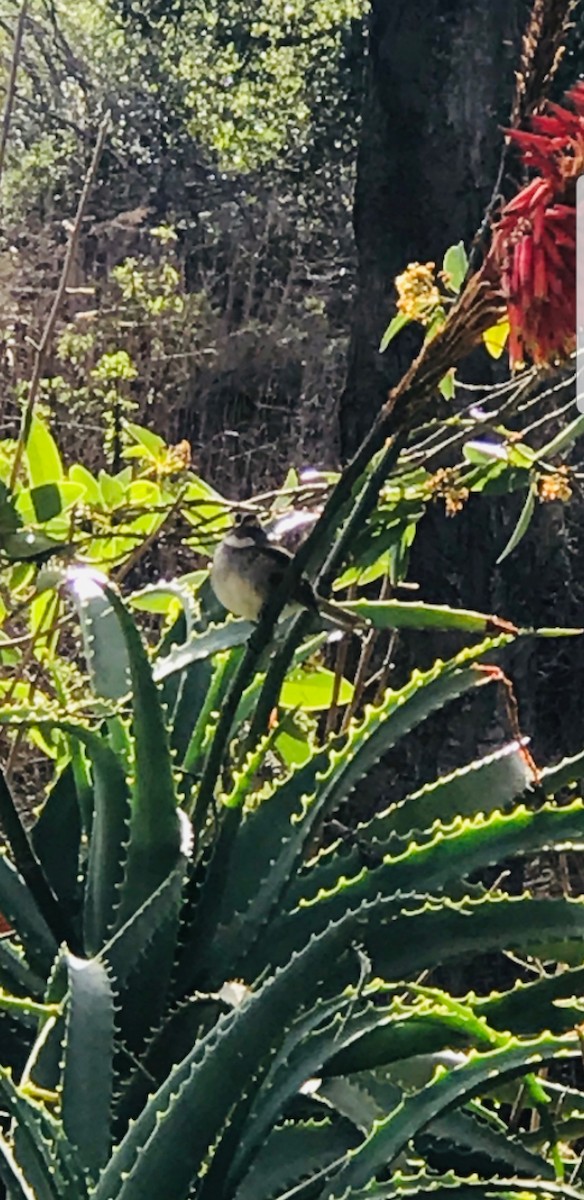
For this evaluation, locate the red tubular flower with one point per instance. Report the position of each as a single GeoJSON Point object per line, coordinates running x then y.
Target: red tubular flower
{"type": "Point", "coordinates": [533, 250]}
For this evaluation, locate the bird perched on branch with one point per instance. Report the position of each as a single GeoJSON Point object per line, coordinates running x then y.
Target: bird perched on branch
{"type": "Point", "coordinates": [247, 568]}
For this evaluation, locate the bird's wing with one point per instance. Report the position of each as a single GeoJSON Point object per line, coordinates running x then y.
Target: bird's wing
{"type": "Point", "coordinates": [280, 558]}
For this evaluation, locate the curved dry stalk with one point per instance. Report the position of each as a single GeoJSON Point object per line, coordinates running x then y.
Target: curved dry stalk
{"type": "Point", "coordinates": [43, 345]}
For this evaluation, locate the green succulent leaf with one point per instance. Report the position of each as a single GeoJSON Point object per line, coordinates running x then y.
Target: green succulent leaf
{"type": "Point", "coordinates": [390, 1136]}
{"type": "Point", "coordinates": [88, 1062]}
{"type": "Point", "coordinates": [155, 837]}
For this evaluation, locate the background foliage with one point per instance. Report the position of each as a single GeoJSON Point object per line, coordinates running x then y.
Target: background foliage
{"type": "Point", "coordinates": [296, 955]}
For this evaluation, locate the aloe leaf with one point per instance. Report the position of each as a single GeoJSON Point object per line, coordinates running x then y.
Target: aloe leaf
{"type": "Point", "coordinates": [399, 614]}
{"type": "Point", "coordinates": [308, 1045]}
{"type": "Point", "coordinates": [13, 1177]}
{"type": "Point", "coordinates": [368, 1097]}
{"type": "Point", "coordinates": [44, 1063]}
{"type": "Point", "coordinates": [259, 841]}
{"type": "Point", "coordinates": [396, 1039]}
{"type": "Point", "coordinates": [390, 1136]}
{"type": "Point", "coordinates": [32, 874]}
{"type": "Point", "coordinates": [475, 1130]}
{"type": "Point", "coordinates": [488, 783]}
{"type": "Point", "coordinates": [154, 844]}
{"type": "Point", "coordinates": [107, 846]}
{"type": "Point", "coordinates": [36, 1144]}
{"type": "Point", "coordinates": [131, 940]}
{"type": "Point", "coordinates": [15, 974]}
{"type": "Point", "coordinates": [183, 1025]}
{"type": "Point", "coordinates": [104, 643]}
{"type": "Point", "coordinates": [452, 1187]}
{"type": "Point", "coordinates": [224, 669]}
{"type": "Point", "coordinates": [529, 1007]}
{"type": "Point", "coordinates": [566, 772]}
{"type": "Point", "coordinates": [382, 728]}
{"type": "Point", "coordinates": [469, 1130]}
{"type": "Point", "coordinates": [109, 831]}
{"type": "Point", "coordinates": [202, 646]}
{"type": "Point", "coordinates": [56, 837]}
{"type": "Point", "coordinates": [88, 1063]}
{"type": "Point", "coordinates": [308, 1042]}
{"type": "Point", "coordinates": [229, 1062]}
{"type": "Point", "coordinates": [453, 852]}
{"type": "Point", "coordinates": [443, 933]}
{"type": "Point", "coordinates": [401, 712]}
{"type": "Point", "coordinates": [293, 1152]}
{"type": "Point", "coordinates": [21, 911]}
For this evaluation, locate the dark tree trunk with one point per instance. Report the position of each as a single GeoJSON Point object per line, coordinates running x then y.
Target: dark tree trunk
{"type": "Point", "coordinates": [439, 91]}
{"type": "Point", "coordinates": [439, 88]}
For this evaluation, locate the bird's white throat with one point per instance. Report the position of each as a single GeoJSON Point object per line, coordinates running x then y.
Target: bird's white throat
{"type": "Point", "coordinates": [238, 541]}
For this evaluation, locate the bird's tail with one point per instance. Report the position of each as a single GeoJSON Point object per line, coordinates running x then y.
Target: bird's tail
{"type": "Point", "coordinates": [340, 616]}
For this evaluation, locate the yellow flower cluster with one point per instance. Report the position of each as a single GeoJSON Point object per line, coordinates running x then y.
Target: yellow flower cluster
{"type": "Point", "coordinates": [445, 484]}
{"type": "Point", "coordinates": [178, 458]}
{"type": "Point", "coordinates": [555, 487]}
{"type": "Point", "coordinates": [418, 294]}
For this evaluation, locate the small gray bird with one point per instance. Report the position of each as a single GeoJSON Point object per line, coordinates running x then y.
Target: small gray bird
{"type": "Point", "coordinates": [247, 568]}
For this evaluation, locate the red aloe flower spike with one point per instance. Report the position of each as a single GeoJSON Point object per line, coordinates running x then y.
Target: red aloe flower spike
{"type": "Point", "coordinates": [533, 248]}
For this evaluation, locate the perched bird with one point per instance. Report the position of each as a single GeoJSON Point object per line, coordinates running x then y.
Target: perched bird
{"type": "Point", "coordinates": [247, 568]}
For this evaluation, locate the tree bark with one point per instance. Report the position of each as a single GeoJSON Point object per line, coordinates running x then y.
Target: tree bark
{"type": "Point", "coordinates": [439, 88]}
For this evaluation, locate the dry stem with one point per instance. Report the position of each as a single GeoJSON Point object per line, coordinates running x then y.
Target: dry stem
{"type": "Point", "coordinates": [52, 318]}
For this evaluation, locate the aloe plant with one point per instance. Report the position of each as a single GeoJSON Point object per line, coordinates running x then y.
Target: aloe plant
{"type": "Point", "coordinates": [240, 1015]}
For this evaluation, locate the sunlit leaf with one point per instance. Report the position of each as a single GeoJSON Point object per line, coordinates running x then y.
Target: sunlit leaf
{"type": "Point", "coordinates": [395, 325]}
{"type": "Point", "coordinates": [447, 385]}
{"type": "Point", "coordinates": [522, 525]}
{"type": "Point", "coordinates": [455, 266]}
{"type": "Point", "coordinates": [153, 446]}
{"type": "Point", "coordinates": [79, 474]}
{"type": "Point", "coordinates": [42, 456]}
{"type": "Point", "coordinates": [495, 338]}
{"type": "Point", "coordinates": [112, 491]}
{"type": "Point", "coordinates": [48, 500]}
{"type": "Point", "coordinates": [313, 689]}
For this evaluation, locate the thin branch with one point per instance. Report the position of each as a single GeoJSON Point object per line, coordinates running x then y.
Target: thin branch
{"type": "Point", "coordinates": [11, 89]}
{"type": "Point", "coordinates": [360, 680]}
{"type": "Point", "coordinates": [142, 548]}
{"type": "Point", "coordinates": [52, 318]}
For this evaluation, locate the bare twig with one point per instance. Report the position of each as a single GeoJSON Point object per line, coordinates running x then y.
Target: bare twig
{"type": "Point", "coordinates": [11, 89]}
{"type": "Point", "coordinates": [360, 681]}
{"type": "Point", "coordinates": [143, 546]}
{"type": "Point", "coordinates": [52, 318]}
{"type": "Point", "coordinates": [382, 676]}
{"type": "Point", "coordinates": [340, 664]}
